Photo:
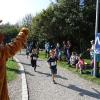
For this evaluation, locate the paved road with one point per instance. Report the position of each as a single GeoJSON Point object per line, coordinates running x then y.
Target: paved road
{"type": "Point", "coordinates": [14, 87]}
{"type": "Point", "coordinates": [69, 86]}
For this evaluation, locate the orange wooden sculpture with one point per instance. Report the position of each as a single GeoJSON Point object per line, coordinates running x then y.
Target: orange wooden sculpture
{"type": "Point", "coordinates": [7, 51]}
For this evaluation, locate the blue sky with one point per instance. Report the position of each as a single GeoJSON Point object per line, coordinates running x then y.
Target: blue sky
{"type": "Point", "coordinates": [14, 10]}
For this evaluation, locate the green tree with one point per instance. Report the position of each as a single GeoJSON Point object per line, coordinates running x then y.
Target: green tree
{"type": "Point", "coordinates": [66, 19]}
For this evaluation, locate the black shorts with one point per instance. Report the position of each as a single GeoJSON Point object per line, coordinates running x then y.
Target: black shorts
{"type": "Point", "coordinates": [53, 70]}
{"type": "Point", "coordinates": [33, 63]}
{"type": "Point", "coordinates": [47, 52]}
{"type": "Point", "coordinates": [27, 53]}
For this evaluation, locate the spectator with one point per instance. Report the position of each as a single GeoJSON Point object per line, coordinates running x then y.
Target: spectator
{"type": "Point", "coordinates": [58, 51]}
{"type": "Point", "coordinates": [91, 50]}
{"type": "Point", "coordinates": [68, 51]}
{"type": "Point", "coordinates": [47, 49]}
{"type": "Point", "coordinates": [80, 65]}
{"type": "Point", "coordinates": [64, 47]}
{"type": "Point", "coordinates": [73, 58]}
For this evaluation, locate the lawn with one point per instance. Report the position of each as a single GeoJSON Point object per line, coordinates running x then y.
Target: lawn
{"type": "Point", "coordinates": [86, 74]}
{"type": "Point", "coordinates": [12, 69]}
{"type": "Point", "coordinates": [42, 55]}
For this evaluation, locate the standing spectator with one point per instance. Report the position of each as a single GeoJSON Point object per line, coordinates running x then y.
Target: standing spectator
{"type": "Point", "coordinates": [7, 51]}
{"type": "Point", "coordinates": [68, 51]}
{"type": "Point", "coordinates": [64, 51]}
{"type": "Point", "coordinates": [52, 50]}
{"type": "Point", "coordinates": [52, 61]}
{"type": "Point", "coordinates": [64, 47]}
{"type": "Point", "coordinates": [73, 58]}
{"type": "Point", "coordinates": [91, 50]}
{"type": "Point", "coordinates": [47, 49]}
{"type": "Point", "coordinates": [32, 45]}
{"type": "Point", "coordinates": [58, 51]}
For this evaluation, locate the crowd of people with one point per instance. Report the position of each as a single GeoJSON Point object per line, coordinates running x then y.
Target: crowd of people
{"type": "Point", "coordinates": [66, 49]}
{"type": "Point", "coordinates": [57, 52]}
{"type": "Point", "coordinates": [72, 58]}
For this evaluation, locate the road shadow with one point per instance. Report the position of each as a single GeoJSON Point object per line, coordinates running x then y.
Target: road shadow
{"type": "Point", "coordinates": [96, 90]}
{"type": "Point", "coordinates": [62, 85]}
{"type": "Point", "coordinates": [44, 73]}
{"type": "Point", "coordinates": [59, 76]}
{"type": "Point", "coordinates": [83, 92]}
{"type": "Point", "coordinates": [24, 63]}
{"type": "Point", "coordinates": [48, 75]}
{"type": "Point", "coordinates": [27, 64]}
{"type": "Point", "coordinates": [19, 71]}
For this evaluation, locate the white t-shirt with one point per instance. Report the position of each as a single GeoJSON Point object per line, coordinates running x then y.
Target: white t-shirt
{"type": "Point", "coordinates": [92, 50]}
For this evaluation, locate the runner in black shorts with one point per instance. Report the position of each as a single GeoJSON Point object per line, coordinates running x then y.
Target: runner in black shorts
{"type": "Point", "coordinates": [34, 57]}
{"type": "Point", "coordinates": [53, 65]}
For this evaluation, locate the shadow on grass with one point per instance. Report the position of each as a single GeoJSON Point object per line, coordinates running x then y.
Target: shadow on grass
{"type": "Point", "coordinates": [90, 72]}
{"type": "Point", "coordinates": [19, 71]}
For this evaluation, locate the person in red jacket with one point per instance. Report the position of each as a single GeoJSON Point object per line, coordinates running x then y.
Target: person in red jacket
{"type": "Point", "coordinates": [7, 51]}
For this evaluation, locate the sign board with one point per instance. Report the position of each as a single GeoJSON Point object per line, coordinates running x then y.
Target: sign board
{"type": "Point", "coordinates": [97, 47]}
{"type": "Point", "coordinates": [97, 43]}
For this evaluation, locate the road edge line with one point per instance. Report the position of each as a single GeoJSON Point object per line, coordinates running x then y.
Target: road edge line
{"type": "Point", "coordinates": [24, 83]}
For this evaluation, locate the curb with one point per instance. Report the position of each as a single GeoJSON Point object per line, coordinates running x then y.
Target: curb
{"type": "Point", "coordinates": [24, 83]}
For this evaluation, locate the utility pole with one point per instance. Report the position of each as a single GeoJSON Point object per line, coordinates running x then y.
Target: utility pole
{"type": "Point", "coordinates": [96, 31]}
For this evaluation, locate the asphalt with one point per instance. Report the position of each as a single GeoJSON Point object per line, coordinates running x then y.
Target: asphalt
{"type": "Point", "coordinates": [69, 86]}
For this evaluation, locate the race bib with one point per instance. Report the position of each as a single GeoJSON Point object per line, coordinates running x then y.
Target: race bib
{"type": "Point", "coordinates": [34, 58]}
{"type": "Point", "coordinates": [53, 63]}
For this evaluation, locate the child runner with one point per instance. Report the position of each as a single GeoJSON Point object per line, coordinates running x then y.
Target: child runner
{"type": "Point", "coordinates": [34, 57]}
{"type": "Point", "coordinates": [52, 61]}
